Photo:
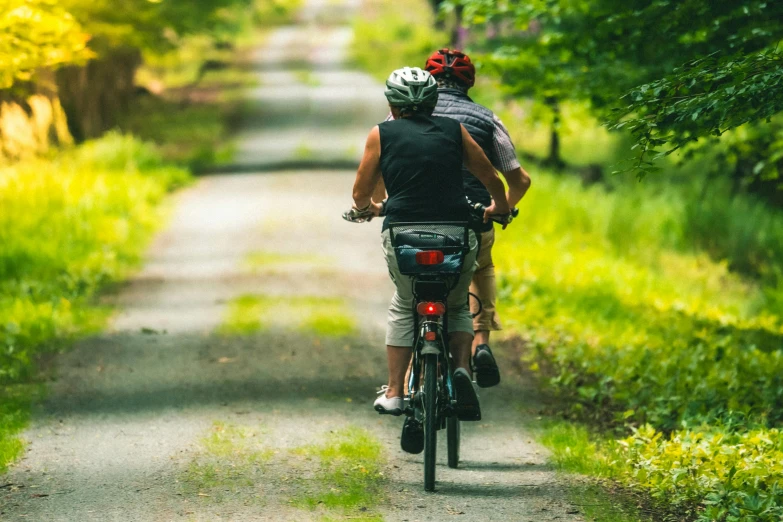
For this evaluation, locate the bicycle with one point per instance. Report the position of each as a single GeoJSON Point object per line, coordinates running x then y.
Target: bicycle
{"type": "Point", "coordinates": [432, 254]}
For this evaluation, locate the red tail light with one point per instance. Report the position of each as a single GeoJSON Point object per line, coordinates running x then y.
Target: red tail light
{"type": "Point", "coordinates": [431, 309]}
{"type": "Point", "coordinates": [430, 336]}
{"type": "Point", "coordinates": [429, 257]}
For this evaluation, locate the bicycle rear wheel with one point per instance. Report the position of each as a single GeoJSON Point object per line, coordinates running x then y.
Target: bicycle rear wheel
{"type": "Point", "coordinates": [430, 419]}
{"type": "Point", "coordinates": [452, 438]}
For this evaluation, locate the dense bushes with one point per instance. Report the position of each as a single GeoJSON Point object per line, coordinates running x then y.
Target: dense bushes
{"type": "Point", "coordinates": [711, 475]}
{"type": "Point", "coordinates": [631, 330]}
{"type": "Point", "coordinates": [67, 226]}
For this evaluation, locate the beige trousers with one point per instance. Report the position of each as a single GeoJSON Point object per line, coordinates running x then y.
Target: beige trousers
{"type": "Point", "coordinates": [483, 285]}
{"type": "Point", "coordinates": [399, 330]}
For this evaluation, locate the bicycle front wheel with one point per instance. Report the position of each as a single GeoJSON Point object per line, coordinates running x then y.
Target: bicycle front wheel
{"type": "Point", "coordinates": [430, 419]}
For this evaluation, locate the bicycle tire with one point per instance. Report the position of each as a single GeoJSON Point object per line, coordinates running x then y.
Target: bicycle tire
{"type": "Point", "coordinates": [452, 439]}
{"type": "Point", "coordinates": [430, 419]}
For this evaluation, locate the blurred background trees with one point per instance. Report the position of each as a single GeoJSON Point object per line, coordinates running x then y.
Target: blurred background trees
{"type": "Point", "coordinates": [76, 61]}
{"type": "Point", "coordinates": [675, 74]}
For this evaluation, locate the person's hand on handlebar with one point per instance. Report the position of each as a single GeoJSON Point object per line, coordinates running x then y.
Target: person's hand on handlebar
{"type": "Point", "coordinates": [357, 215]}
{"type": "Point", "coordinates": [495, 209]}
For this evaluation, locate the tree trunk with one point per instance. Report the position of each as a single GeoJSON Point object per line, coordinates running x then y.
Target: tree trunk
{"type": "Point", "coordinates": [554, 160]}
{"type": "Point", "coordinates": [93, 95]}
{"type": "Point", "coordinates": [459, 33]}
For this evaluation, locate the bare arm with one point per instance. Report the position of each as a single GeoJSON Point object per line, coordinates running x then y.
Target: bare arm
{"type": "Point", "coordinates": [477, 163]}
{"type": "Point", "coordinates": [518, 183]}
{"type": "Point", "coordinates": [369, 172]}
{"type": "Point", "coordinates": [379, 194]}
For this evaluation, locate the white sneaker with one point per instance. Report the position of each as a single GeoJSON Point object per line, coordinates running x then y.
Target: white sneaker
{"type": "Point", "coordinates": [388, 406]}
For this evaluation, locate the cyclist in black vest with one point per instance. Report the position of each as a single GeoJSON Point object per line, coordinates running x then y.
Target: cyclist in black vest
{"type": "Point", "coordinates": [456, 74]}
{"type": "Point", "coordinates": [420, 157]}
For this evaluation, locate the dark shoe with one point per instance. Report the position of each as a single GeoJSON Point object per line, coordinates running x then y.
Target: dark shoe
{"type": "Point", "coordinates": [468, 407]}
{"type": "Point", "coordinates": [485, 368]}
{"type": "Point", "coordinates": [412, 439]}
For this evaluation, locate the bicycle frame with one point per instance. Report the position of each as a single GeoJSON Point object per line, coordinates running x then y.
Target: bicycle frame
{"type": "Point", "coordinates": [440, 347]}
{"type": "Point", "coordinates": [432, 255]}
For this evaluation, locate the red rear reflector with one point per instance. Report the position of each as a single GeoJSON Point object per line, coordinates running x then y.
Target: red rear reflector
{"type": "Point", "coordinates": [431, 309]}
{"type": "Point", "coordinates": [429, 257]}
{"type": "Point", "coordinates": [430, 336]}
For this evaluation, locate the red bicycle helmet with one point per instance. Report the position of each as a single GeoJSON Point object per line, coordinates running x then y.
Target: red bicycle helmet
{"type": "Point", "coordinates": [456, 64]}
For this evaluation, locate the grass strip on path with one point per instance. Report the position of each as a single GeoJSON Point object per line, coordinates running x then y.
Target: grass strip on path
{"type": "Point", "coordinates": [229, 465]}
{"type": "Point", "coordinates": [348, 478]}
{"type": "Point", "coordinates": [251, 313]}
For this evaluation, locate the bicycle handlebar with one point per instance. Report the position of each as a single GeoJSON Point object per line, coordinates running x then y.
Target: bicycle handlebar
{"type": "Point", "coordinates": [356, 216]}
{"type": "Point", "coordinates": [502, 219]}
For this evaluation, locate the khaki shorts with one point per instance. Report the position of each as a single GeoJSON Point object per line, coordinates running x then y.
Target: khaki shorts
{"type": "Point", "coordinates": [399, 329]}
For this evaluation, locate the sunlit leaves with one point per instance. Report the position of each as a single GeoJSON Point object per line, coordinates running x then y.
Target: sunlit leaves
{"type": "Point", "coordinates": [705, 97]}
{"type": "Point", "coordinates": [711, 475]}
{"type": "Point", "coordinates": [36, 34]}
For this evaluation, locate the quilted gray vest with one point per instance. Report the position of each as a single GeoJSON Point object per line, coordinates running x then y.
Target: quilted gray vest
{"type": "Point", "coordinates": [480, 124]}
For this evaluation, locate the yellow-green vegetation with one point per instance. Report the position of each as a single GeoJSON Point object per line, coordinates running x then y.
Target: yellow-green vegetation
{"type": "Point", "coordinates": [251, 313]}
{"type": "Point", "coordinates": [244, 315]}
{"type": "Point", "coordinates": [196, 102]}
{"type": "Point", "coordinates": [307, 77]}
{"type": "Point", "coordinates": [68, 226]}
{"type": "Point", "coordinates": [276, 12]}
{"type": "Point", "coordinates": [230, 462]}
{"type": "Point", "coordinates": [14, 414]}
{"type": "Point", "coordinates": [303, 151]}
{"type": "Point", "coordinates": [196, 135]}
{"type": "Point", "coordinates": [390, 35]}
{"type": "Point", "coordinates": [630, 327]}
{"type": "Point", "coordinates": [262, 260]}
{"type": "Point", "coordinates": [349, 476]}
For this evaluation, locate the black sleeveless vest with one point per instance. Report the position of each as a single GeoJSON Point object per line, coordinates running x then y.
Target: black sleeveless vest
{"type": "Point", "coordinates": [421, 163]}
{"type": "Point", "coordinates": [480, 124]}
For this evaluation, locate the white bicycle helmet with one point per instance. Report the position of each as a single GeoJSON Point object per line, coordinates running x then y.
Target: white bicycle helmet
{"type": "Point", "coordinates": [412, 88]}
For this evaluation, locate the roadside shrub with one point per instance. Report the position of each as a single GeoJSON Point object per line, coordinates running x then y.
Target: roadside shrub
{"type": "Point", "coordinates": [741, 474]}
{"type": "Point", "coordinates": [68, 226]}
{"type": "Point", "coordinates": [631, 329]}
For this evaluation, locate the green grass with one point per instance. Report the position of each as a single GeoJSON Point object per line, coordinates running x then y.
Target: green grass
{"type": "Point", "coordinates": [252, 313]}
{"type": "Point", "coordinates": [303, 151]}
{"type": "Point", "coordinates": [69, 225]}
{"type": "Point", "coordinates": [244, 315]}
{"type": "Point", "coordinates": [260, 261]}
{"type": "Point", "coordinates": [15, 401]}
{"type": "Point", "coordinates": [307, 77]}
{"type": "Point", "coordinates": [630, 329]}
{"type": "Point", "coordinates": [229, 463]}
{"type": "Point", "coordinates": [349, 477]}
{"type": "Point", "coordinates": [574, 449]}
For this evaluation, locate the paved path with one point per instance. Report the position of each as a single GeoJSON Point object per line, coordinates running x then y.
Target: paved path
{"type": "Point", "coordinates": [125, 422]}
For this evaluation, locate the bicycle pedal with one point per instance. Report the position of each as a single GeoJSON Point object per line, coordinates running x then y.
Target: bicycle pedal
{"type": "Point", "coordinates": [412, 438]}
{"type": "Point", "coordinates": [393, 413]}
